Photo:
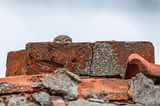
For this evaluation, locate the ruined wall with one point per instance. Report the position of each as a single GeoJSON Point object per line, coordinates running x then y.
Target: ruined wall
{"type": "Point", "coordinates": [81, 74]}
{"type": "Point", "coordinates": [103, 58]}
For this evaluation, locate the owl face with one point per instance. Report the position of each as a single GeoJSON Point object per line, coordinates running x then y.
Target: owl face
{"type": "Point", "coordinates": [62, 39]}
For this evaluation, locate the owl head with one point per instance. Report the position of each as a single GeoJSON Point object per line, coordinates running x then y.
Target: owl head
{"type": "Point", "coordinates": [62, 39]}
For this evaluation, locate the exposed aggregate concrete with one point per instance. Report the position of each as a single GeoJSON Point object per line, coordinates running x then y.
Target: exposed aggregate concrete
{"type": "Point", "coordinates": [18, 101]}
{"type": "Point", "coordinates": [104, 62]}
{"type": "Point", "coordinates": [144, 91]}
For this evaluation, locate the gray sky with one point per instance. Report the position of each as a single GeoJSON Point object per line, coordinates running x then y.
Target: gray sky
{"type": "Point", "coordinates": [23, 21]}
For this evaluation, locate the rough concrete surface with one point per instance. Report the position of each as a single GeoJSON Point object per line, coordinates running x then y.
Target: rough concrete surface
{"type": "Point", "coordinates": [104, 62]}
{"type": "Point", "coordinates": [144, 91]}
{"type": "Point", "coordinates": [42, 98]}
{"type": "Point", "coordinates": [18, 101]}
{"type": "Point", "coordinates": [83, 102]}
{"type": "Point", "coordinates": [62, 83]}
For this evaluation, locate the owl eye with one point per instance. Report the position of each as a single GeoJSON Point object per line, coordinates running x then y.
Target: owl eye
{"type": "Point", "coordinates": [68, 41]}
{"type": "Point", "coordinates": [57, 41]}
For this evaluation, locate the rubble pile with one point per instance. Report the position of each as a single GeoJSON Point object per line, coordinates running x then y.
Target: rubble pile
{"type": "Point", "coordinates": [81, 74]}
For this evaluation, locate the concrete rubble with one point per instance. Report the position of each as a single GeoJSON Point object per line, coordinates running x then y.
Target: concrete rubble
{"type": "Point", "coordinates": [103, 73]}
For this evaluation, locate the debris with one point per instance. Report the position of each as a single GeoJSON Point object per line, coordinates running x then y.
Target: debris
{"type": "Point", "coordinates": [18, 101]}
{"type": "Point", "coordinates": [144, 91]}
{"type": "Point", "coordinates": [62, 83]}
{"type": "Point", "coordinates": [83, 102]}
{"type": "Point", "coordinates": [42, 98]}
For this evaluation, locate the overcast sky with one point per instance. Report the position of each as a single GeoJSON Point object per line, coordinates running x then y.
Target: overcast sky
{"type": "Point", "coordinates": [23, 21]}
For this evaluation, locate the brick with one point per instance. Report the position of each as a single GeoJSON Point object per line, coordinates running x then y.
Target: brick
{"type": "Point", "coordinates": [17, 84]}
{"type": "Point", "coordinates": [110, 57]}
{"type": "Point", "coordinates": [46, 57]}
{"type": "Point", "coordinates": [103, 58]}
{"type": "Point", "coordinates": [16, 62]}
{"type": "Point", "coordinates": [104, 89]}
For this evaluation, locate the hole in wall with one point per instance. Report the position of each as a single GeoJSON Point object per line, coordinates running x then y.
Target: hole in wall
{"type": "Point", "coordinates": [132, 70]}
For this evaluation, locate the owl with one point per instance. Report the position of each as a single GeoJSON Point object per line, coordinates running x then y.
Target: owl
{"type": "Point", "coordinates": [62, 39]}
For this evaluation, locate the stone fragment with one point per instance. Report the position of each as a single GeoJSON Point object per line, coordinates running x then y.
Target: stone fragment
{"type": "Point", "coordinates": [18, 101]}
{"type": "Point", "coordinates": [4, 86]}
{"type": "Point", "coordinates": [42, 98]}
{"type": "Point", "coordinates": [83, 102]}
{"type": "Point", "coordinates": [144, 91]}
{"type": "Point", "coordinates": [62, 83]}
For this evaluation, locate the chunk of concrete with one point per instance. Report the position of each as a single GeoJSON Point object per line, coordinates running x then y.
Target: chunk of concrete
{"type": "Point", "coordinates": [42, 98]}
{"type": "Point", "coordinates": [83, 102]}
{"type": "Point", "coordinates": [62, 83]}
{"type": "Point", "coordinates": [144, 91]}
{"type": "Point", "coordinates": [18, 101]}
{"type": "Point", "coordinates": [104, 62]}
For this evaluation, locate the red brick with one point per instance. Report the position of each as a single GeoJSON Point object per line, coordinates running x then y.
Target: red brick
{"type": "Point", "coordinates": [107, 89]}
{"type": "Point", "coordinates": [16, 62]}
{"type": "Point", "coordinates": [46, 57]}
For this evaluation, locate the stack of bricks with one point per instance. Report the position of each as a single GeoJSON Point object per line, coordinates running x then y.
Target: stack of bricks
{"type": "Point", "coordinates": [72, 74]}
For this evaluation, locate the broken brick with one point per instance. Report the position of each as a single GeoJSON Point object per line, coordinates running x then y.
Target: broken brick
{"type": "Point", "coordinates": [104, 89]}
{"type": "Point", "coordinates": [107, 89]}
{"type": "Point", "coordinates": [16, 62]}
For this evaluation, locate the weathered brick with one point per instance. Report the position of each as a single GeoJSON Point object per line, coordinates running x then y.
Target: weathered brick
{"type": "Point", "coordinates": [46, 57]}
{"type": "Point", "coordinates": [16, 62]}
{"type": "Point", "coordinates": [107, 89]}
{"type": "Point", "coordinates": [104, 89]}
